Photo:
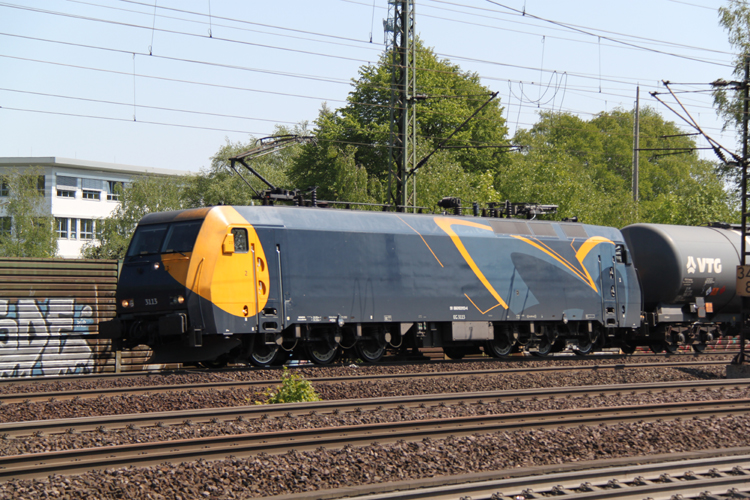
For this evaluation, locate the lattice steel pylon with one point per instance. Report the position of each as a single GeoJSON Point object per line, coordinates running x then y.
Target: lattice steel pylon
{"type": "Point", "coordinates": [745, 304]}
{"type": "Point", "coordinates": [403, 122]}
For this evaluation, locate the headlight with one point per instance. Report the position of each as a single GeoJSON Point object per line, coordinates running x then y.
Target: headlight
{"type": "Point", "coordinates": [128, 303]}
{"type": "Point", "coordinates": [179, 299]}
{"type": "Point", "coordinates": [156, 265]}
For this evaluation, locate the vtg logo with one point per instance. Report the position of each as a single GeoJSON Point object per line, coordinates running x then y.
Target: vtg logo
{"type": "Point", "coordinates": [703, 265]}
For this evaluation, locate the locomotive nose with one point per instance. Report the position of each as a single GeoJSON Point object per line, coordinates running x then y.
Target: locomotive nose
{"type": "Point", "coordinates": [163, 290]}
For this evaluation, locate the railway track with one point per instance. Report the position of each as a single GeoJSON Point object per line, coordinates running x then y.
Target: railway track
{"type": "Point", "coordinates": [218, 415]}
{"type": "Point", "coordinates": [21, 397]}
{"type": "Point", "coordinates": [640, 359]}
{"type": "Point", "coordinates": [39, 465]}
{"type": "Point", "coordinates": [710, 475]}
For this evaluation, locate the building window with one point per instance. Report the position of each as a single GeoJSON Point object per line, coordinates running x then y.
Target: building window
{"type": "Point", "coordinates": [87, 229]}
{"type": "Point", "coordinates": [66, 186]}
{"type": "Point", "coordinates": [114, 188]}
{"type": "Point", "coordinates": [40, 183]}
{"type": "Point", "coordinates": [67, 229]}
{"type": "Point", "coordinates": [91, 195]}
{"type": "Point", "coordinates": [4, 226]}
{"type": "Point", "coordinates": [61, 228]}
{"type": "Point", "coordinates": [65, 193]}
{"type": "Point", "coordinates": [4, 189]}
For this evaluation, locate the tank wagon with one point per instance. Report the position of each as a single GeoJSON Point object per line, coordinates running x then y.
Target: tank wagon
{"type": "Point", "coordinates": [687, 277]}
{"type": "Point", "coordinates": [263, 283]}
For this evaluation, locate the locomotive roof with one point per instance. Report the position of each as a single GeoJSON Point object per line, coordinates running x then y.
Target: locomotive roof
{"type": "Point", "coordinates": [312, 218]}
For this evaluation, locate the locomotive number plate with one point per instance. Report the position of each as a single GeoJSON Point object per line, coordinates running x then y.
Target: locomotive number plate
{"type": "Point", "coordinates": [743, 281]}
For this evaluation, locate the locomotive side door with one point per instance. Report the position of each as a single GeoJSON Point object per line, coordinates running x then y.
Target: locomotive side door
{"type": "Point", "coordinates": [609, 286]}
{"type": "Point", "coordinates": [271, 316]}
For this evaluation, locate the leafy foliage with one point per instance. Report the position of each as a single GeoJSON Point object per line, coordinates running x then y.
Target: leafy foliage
{"type": "Point", "coordinates": [351, 158]}
{"type": "Point", "coordinates": [144, 195]}
{"type": "Point", "coordinates": [294, 389]}
{"type": "Point", "coordinates": [735, 18]}
{"type": "Point", "coordinates": [31, 232]}
{"type": "Point", "coordinates": [585, 167]}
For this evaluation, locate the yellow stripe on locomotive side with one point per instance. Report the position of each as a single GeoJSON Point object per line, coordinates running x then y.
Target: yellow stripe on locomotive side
{"type": "Point", "coordinates": [446, 225]}
{"type": "Point", "coordinates": [231, 281]}
{"type": "Point", "coordinates": [583, 251]}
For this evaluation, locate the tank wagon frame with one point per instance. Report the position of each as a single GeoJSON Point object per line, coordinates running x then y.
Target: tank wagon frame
{"type": "Point", "coordinates": [263, 283]}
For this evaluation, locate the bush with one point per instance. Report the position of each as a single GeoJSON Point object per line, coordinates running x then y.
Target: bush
{"type": "Point", "coordinates": [294, 389]}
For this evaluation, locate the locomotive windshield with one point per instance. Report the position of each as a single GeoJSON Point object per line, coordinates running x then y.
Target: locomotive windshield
{"type": "Point", "coordinates": [164, 238]}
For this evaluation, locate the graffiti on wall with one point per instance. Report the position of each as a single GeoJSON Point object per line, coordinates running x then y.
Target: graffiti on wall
{"type": "Point", "coordinates": [42, 337]}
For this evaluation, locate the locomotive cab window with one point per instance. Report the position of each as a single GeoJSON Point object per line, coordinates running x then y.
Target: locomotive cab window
{"type": "Point", "coordinates": [146, 240]}
{"type": "Point", "coordinates": [181, 236]}
{"type": "Point", "coordinates": [240, 240]}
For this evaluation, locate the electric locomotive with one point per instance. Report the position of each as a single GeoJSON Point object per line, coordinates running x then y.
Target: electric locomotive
{"type": "Point", "coordinates": [263, 283]}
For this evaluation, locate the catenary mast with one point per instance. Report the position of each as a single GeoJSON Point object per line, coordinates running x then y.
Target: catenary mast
{"type": "Point", "coordinates": [401, 47]}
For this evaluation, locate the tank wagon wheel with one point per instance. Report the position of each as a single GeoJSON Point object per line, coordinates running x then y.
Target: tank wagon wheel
{"type": "Point", "coordinates": [264, 355]}
{"type": "Point", "coordinates": [699, 348]}
{"type": "Point", "coordinates": [670, 348]}
{"type": "Point", "coordinates": [627, 348]}
{"type": "Point", "coordinates": [656, 348]}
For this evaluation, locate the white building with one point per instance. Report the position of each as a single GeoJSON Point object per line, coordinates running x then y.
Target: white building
{"type": "Point", "coordinates": [78, 193]}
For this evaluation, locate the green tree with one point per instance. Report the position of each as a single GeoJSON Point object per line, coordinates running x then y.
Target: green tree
{"type": "Point", "coordinates": [353, 141]}
{"type": "Point", "coordinates": [28, 231]}
{"type": "Point", "coordinates": [735, 19]}
{"type": "Point", "coordinates": [144, 195]}
{"type": "Point", "coordinates": [585, 167]}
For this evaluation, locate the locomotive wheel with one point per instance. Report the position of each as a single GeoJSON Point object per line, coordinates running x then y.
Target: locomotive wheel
{"type": "Point", "coordinates": [699, 348]}
{"type": "Point", "coordinates": [585, 346]}
{"type": "Point", "coordinates": [264, 355]}
{"type": "Point", "coordinates": [322, 352]}
{"type": "Point", "coordinates": [500, 347]}
{"type": "Point", "coordinates": [214, 364]}
{"type": "Point", "coordinates": [370, 350]}
{"type": "Point", "coordinates": [627, 348]}
{"type": "Point", "coordinates": [543, 349]}
{"type": "Point", "coordinates": [454, 352]}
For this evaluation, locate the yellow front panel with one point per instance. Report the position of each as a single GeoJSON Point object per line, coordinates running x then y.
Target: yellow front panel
{"type": "Point", "coordinates": [231, 281]}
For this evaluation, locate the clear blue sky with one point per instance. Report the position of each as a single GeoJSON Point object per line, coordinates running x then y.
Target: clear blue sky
{"type": "Point", "coordinates": [63, 62]}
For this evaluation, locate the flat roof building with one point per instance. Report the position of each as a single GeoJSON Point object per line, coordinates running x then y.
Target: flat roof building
{"type": "Point", "coordinates": [78, 193]}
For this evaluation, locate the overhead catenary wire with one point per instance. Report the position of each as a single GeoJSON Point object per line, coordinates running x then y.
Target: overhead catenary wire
{"type": "Point", "coordinates": [312, 77]}
{"type": "Point", "coordinates": [574, 89]}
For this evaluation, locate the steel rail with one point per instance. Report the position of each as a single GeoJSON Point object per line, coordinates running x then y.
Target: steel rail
{"type": "Point", "coordinates": [21, 397]}
{"type": "Point", "coordinates": [229, 414]}
{"type": "Point", "coordinates": [43, 379]}
{"type": "Point", "coordinates": [636, 478]}
{"type": "Point", "coordinates": [215, 448]}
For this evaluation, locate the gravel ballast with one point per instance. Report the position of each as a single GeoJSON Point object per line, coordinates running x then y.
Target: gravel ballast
{"type": "Point", "coordinates": [264, 475]}
{"type": "Point", "coordinates": [167, 401]}
{"type": "Point", "coordinates": [324, 469]}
